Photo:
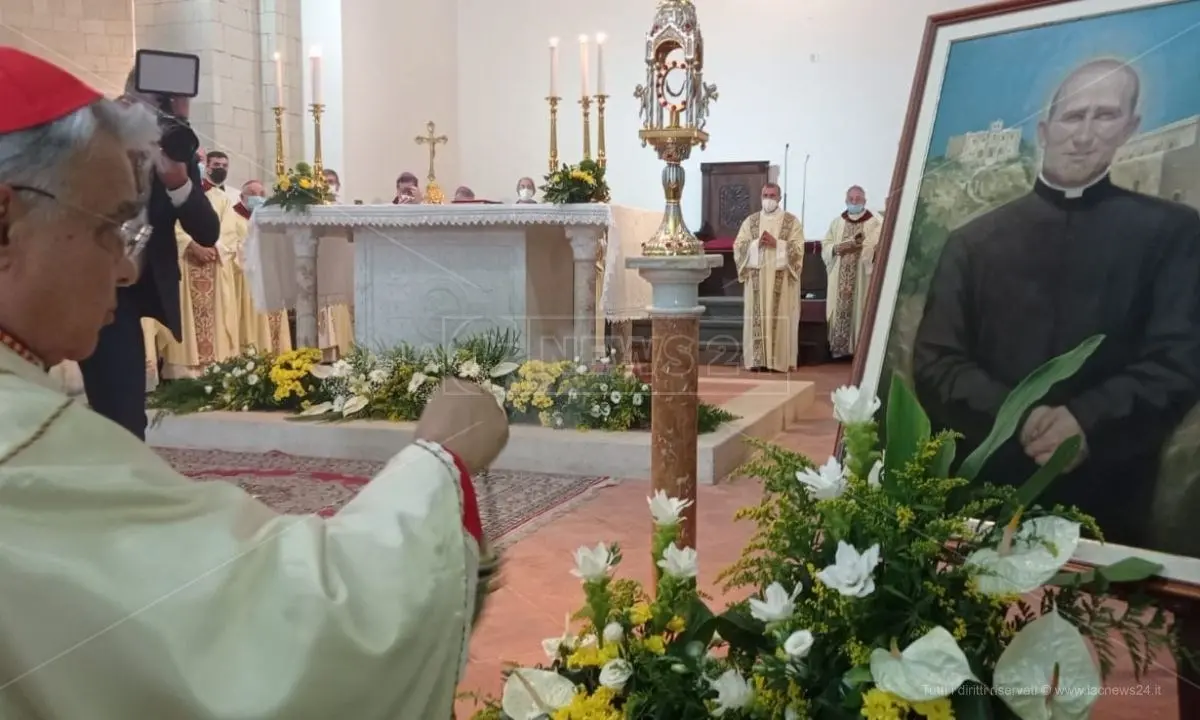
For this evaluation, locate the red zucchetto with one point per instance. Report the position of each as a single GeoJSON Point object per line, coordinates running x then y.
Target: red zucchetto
{"type": "Point", "coordinates": [34, 92]}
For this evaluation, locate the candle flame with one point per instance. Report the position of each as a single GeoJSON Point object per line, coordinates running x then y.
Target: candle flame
{"type": "Point", "coordinates": [278, 56]}
{"type": "Point", "coordinates": [554, 42]}
{"type": "Point", "coordinates": [600, 38]}
{"type": "Point", "coordinates": [315, 51]}
{"type": "Point", "coordinates": [583, 39]}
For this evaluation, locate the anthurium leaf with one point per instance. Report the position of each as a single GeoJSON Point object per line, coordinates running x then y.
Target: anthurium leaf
{"type": "Point", "coordinates": [857, 676]}
{"type": "Point", "coordinates": [1041, 479]}
{"type": "Point", "coordinates": [1023, 397]}
{"type": "Point", "coordinates": [1131, 569]}
{"type": "Point", "coordinates": [907, 428]}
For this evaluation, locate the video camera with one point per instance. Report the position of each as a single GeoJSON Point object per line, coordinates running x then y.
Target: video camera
{"type": "Point", "coordinates": [163, 76]}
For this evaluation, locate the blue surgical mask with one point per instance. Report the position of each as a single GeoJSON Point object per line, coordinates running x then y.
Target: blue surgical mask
{"type": "Point", "coordinates": [854, 209]}
{"type": "Point", "coordinates": [254, 202]}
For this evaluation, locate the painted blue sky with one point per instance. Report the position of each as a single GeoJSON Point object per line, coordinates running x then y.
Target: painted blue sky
{"type": "Point", "coordinates": [1011, 77]}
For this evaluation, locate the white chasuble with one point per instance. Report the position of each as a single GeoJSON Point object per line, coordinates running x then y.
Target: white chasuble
{"type": "Point", "coordinates": [131, 591]}
{"type": "Point", "coordinates": [849, 250]}
{"type": "Point", "coordinates": [771, 282]}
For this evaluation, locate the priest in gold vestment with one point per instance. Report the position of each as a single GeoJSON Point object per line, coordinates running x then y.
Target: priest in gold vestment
{"type": "Point", "coordinates": [769, 253]}
{"type": "Point", "coordinates": [849, 250]}
{"type": "Point", "coordinates": [132, 591]}
{"type": "Point", "coordinates": [264, 331]}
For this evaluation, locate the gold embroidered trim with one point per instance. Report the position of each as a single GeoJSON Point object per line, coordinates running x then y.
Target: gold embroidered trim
{"type": "Point", "coordinates": [37, 434]}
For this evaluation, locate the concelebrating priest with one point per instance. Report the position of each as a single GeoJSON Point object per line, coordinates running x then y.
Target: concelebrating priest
{"type": "Point", "coordinates": [134, 592]}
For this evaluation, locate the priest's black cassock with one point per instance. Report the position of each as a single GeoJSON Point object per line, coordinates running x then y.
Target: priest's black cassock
{"type": "Point", "coordinates": [1033, 279]}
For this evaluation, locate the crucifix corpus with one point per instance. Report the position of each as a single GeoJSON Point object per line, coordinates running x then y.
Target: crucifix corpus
{"type": "Point", "coordinates": [433, 193]}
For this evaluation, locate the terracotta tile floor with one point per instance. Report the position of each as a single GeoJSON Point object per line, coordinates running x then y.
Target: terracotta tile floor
{"type": "Point", "coordinates": [539, 592]}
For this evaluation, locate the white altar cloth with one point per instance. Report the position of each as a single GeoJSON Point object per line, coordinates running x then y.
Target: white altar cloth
{"type": "Point", "coordinates": [284, 263]}
{"type": "Point", "coordinates": [271, 260]}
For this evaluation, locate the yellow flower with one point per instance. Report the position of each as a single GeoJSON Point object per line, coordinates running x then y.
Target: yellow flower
{"type": "Point", "coordinates": [881, 705]}
{"type": "Point", "coordinates": [676, 625]}
{"type": "Point", "coordinates": [655, 644]}
{"type": "Point", "coordinates": [281, 180]}
{"type": "Point", "coordinates": [306, 183]}
{"type": "Point", "coordinates": [640, 613]}
{"type": "Point", "coordinates": [960, 629]}
{"type": "Point", "coordinates": [904, 516]}
{"type": "Point", "coordinates": [597, 706]}
{"type": "Point", "coordinates": [593, 655]}
{"type": "Point", "coordinates": [285, 184]}
{"type": "Point", "coordinates": [939, 709]}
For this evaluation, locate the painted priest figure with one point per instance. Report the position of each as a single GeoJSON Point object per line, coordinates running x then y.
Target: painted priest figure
{"type": "Point", "coordinates": [849, 251]}
{"type": "Point", "coordinates": [769, 253]}
{"type": "Point", "coordinates": [134, 592]}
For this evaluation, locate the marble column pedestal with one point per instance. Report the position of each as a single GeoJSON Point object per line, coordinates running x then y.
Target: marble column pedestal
{"type": "Point", "coordinates": [675, 318]}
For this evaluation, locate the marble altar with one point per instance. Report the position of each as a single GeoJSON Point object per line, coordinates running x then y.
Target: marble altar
{"type": "Point", "coordinates": [428, 274]}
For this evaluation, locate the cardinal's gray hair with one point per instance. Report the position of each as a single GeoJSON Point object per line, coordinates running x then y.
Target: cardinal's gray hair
{"type": "Point", "coordinates": [42, 156]}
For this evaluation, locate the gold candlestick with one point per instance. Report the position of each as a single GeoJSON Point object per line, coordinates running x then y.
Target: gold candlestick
{"type": "Point", "coordinates": [601, 152]}
{"type": "Point", "coordinates": [280, 166]}
{"type": "Point", "coordinates": [318, 161]}
{"type": "Point", "coordinates": [586, 103]}
{"type": "Point", "coordinates": [553, 100]}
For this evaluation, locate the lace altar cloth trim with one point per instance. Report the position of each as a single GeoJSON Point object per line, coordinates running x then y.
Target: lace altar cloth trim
{"type": "Point", "coordinates": [352, 216]}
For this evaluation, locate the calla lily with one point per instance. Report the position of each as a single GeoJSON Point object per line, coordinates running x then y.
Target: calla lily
{"type": "Point", "coordinates": [503, 370]}
{"type": "Point", "coordinates": [852, 572]}
{"type": "Point", "coordinates": [932, 667]}
{"type": "Point", "coordinates": [666, 510]}
{"type": "Point", "coordinates": [1047, 672]}
{"type": "Point", "coordinates": [354, 405]}
{"type": "Point", "coordinates": [530, 694]}
{"type": "Point", "coordinates": [592, 563]}
{"type": "Point", "coordinates": [776, 603]}
{"type": "Point", "coordinates": [567, 641]}
{"type": "Point", "coordinates": [1027, 557]}
{"type": "Point", "coordinates": [875, 476]}
{"type": "Point", "coordinates": [826, 482]}
{"type": "Point", "coordinates": [321, 372]}
{"type": "Point", "coordinates": [852, 406]}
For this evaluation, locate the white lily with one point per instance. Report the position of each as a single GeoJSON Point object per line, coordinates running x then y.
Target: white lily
{"type": "Point", "coordinates": [679, 562]}
{"type": "Point", "coordinates": [826, 482]}
{"type": "Point", "coordinates": [530, 694]}
{"type": "Point", "coordinates": [1047, 672]}
{"type": "Point", "coordinates": [567, 642]}
{"type": "Point", "coordinates": [1027, 556]}
{"type": "Point", "coordinates": [318, 409]}
{"type": "Point", "coordinates": [851, 405]}
{"type": "Point", "coordinates": [615, 674]}
{"type": "Point", "coordinates": [798, 644]}
{"type": "Point", "coordinates": [504, 369]}
{"type": "Point", "coordinates": [932, 667]}
{"type": "Point", "coordinates": [776, 603]}
{"type": "Point", "coordinates": [666, 510]}
{"type": "Point", "coordinates": [875, 476]}
{"type": "Point", "coordinates": [354, 405]}
{"type": "Point", "coordinates": [592, 563]}
{"type": "Point", "coordinates": [733, 692]}
{"type": "Point", "coordinates": [852, 572]}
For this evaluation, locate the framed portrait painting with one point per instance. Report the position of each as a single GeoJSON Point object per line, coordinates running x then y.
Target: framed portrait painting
{"type": "Point", "coordinates": [1047, 191]}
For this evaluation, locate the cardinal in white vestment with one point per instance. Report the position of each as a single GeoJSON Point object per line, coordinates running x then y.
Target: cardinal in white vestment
{"type": "Point", "coordinates": [849, 250]}
{"type": "Point", "coordinates": [769, 253]}
{"type": "Point", "coordinates": [132, 592]}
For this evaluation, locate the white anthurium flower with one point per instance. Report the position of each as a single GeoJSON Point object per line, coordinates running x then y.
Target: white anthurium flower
{"type": "Point", "coordinates": [852, 573]}
{"type": "Point", "coordinates": [826, 482]}
{"type": "Point", "coordinates": [355, 405]}
{"type": "Point", "coordinates": [504, 369]}
{"type": "Point", "coordinates": [613, 632]}
{"type": "Point", "coordinates": [666, 510]}
{"type": "Point", "coordinates": [1048, 654]}
{"type": "Point", "coordinates": [851, 405]}
{"type": "Point", "coordinates": [592, 563]}
{"type": "Point", "coordinates": [615, 674]}
{"type": "Point", "coordinates": [932, 667]}
{"type": "Point", "coordinates": [318, 409]}
{"type": "Point", "coordinates": [733, 692]}
{"type": "Point", "coordinates": [469, 369]}
{"type": "Point", "coordinates": [566, 642]}
{"type": "Point", "coordinates": [776, 603]}
{"type": "Point", "coordinates": [875, 476]}
{"type": "Point", "coordinates": [798, 644]}
{"type": "Point", "coordinates": [1027, 556]}
{"type": "Point", "coordinates": [530, 694]}
{"type": "Point", "coordinates": [679, 562]}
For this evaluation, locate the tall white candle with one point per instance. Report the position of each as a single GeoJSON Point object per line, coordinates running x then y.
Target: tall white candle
{"type": "Point", "coordinates": [315, 57]}
{"type": "Point", "coordinates": [554, 67]}
{"type": "Point", "coordinates": [583, 64]}
{"type": "Point", "coordinates": [278, 80]}
{"type": "Point", "coordinates": [600, 38]}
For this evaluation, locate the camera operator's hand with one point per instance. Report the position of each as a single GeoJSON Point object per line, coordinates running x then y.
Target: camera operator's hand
{"type": "Point", "coordinates": [200, 255]}
{"type": "Point", "coordinates": [173, 174]}
{"type": "Point", "coordinates": [466, 420]}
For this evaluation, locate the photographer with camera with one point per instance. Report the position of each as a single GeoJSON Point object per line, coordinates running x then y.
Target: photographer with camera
{"type": "Point", "coordinates": [115, 375]}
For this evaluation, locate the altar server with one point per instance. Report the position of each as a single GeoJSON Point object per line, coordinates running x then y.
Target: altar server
{"type": "Point", "coordinates": [263, 331]}
{"type": "Point", "coordinates": [134, 592]}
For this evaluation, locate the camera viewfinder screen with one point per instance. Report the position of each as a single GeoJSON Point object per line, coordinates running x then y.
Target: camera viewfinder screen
{"type": "Point", "coordinates": [167, 73]}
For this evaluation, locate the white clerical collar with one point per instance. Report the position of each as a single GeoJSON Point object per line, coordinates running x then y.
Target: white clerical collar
{"type": "Point", "coordinates": [1072, 193]}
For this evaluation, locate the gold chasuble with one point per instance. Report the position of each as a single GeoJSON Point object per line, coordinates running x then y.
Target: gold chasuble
{"type": "Point", "coordinates": [134, 593]}
{"type": "Point", "coordinates": [208, 300]}
{"type": "Point", "coordinates": [771, 279]}
{"type": "Point", "coordinates": [849, 253]}
{"type": "Point", "coordinates": [263, 331]}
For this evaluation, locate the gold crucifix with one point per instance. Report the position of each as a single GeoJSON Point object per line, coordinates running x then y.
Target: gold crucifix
{"type": "Point", "coordinates": [433, 193]}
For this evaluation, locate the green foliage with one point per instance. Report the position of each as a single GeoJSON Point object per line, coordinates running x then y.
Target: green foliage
{"type": "Point", "coordinates": [582, 183]}
{"type": "Point", "coordinates": [299, 188]}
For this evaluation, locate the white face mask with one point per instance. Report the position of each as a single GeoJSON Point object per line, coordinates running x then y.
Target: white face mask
{"type": "Point", "coordinates": [253, 202]}
{"type": "Point", "coordinates": [770, 205]}
{"type": "Point", "coordinates": [525, 193]}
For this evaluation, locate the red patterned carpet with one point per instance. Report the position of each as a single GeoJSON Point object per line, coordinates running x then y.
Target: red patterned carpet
{"type": "Point", "coordinates": [510, 502]}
